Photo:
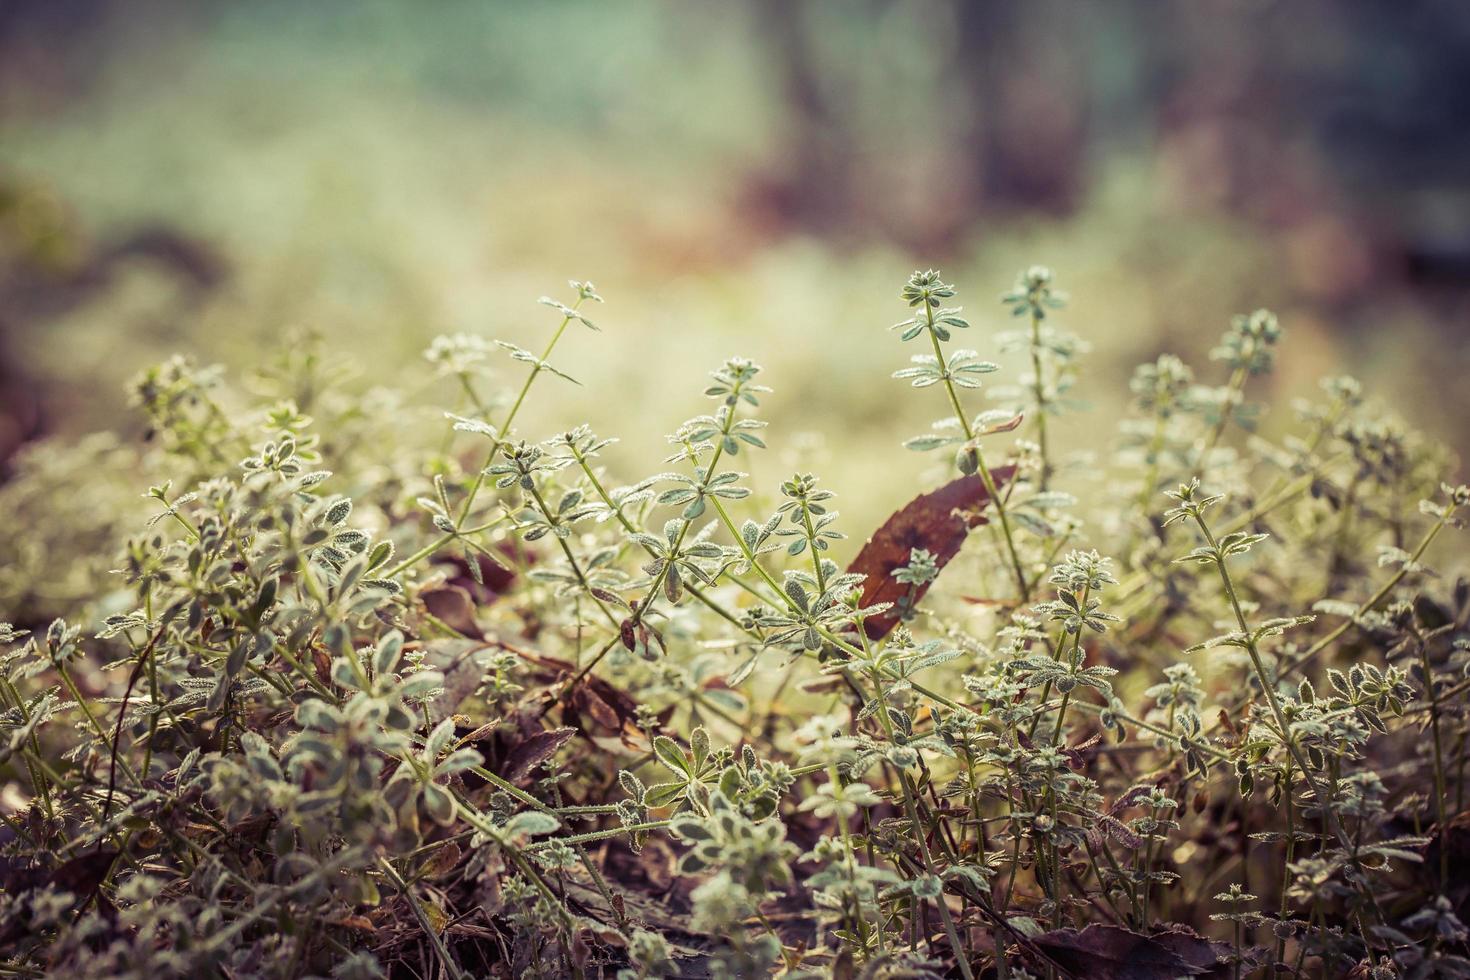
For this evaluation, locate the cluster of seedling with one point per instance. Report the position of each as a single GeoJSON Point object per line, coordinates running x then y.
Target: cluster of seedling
{"type": "Point", "coordinates": [357, 705]}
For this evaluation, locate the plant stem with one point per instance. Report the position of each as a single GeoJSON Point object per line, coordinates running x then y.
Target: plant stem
{"type": "Point", "coordinates": [572, 562]}
{"type": "Point", "coordinates": [811, 543]}
{"type": "Point", "coordinates": [71, 686]}
{"type": "Point", "coordinates": [510, 416]}
{"type": "Point", "coordinates": [913, 815]}
{"type": "Point", "coordinates": [1039, 385]}
{"type": "Point", "coordinates": [436, 940]}
{"type": "Point", "coordinates": [1233, 388]}
{"type": "Point", "coordinates": [1439, 781]}
{"type": "Point", "coordinates": [984, 471]}
{"type": "Point", "coordinates": [1268, 686]}
{"type": "Point", "coordinates": [479, 481]}
{"type": "Point", "coordinates": [1284, 906]}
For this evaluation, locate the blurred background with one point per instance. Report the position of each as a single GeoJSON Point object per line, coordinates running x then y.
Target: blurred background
{"type": "Point", "coordinates": [759, 178]}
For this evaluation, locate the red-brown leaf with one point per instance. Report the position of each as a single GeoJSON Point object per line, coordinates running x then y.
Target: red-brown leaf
{"type": "Point", "coordinates": [938, 522]}
{"type": "Point", "coordinates": [81, 876]}
{"type": "Point", "coordinates": [591, 703]}
{"type": "Point", "coordinates": [453, 606]}
{"type": "Point", "coordinates": [1102, 952]}
{"type": "Point", "coordinates": [530, 752]}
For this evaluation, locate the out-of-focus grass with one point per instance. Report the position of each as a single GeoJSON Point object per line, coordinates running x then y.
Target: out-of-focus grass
{"type": "Point", "coordinates": [356, 179]}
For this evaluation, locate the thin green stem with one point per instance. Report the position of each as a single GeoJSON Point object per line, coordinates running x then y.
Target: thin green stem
{"type": "Point", "coordinates": [92, 718]}
{"type": "Point", "coordinates": [1439, 780]}
{"type": "Point", "coordinates": [811, 543]}
{"type": "Point", "coordinates": [1042, 401]}
{"type": "Point", "coordinates": [510, 416]}
{"type": "Point", "coordinates": [971, 442]}
{"type": "Point", "coordinates": [910, 806]}
{"type": "Point", "coordinates": [1233, 389]}
{"type": "Point", "coordinates": [437, 941]}
{"type": "Point", "coordinates": [479, 481]}
{"type": "Point", "coordinates": [572, 562]}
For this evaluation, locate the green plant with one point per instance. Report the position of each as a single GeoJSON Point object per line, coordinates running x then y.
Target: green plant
{"type": "Point", "coordinates": [468, 705]}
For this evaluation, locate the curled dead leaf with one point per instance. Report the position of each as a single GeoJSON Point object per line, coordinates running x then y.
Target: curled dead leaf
{"type": "Point", "coordinates": [1101, 952]}
{"type": "Point", "coordinates": [533, 750]}
{"type": "Point", "coordinates": [937, 522]}
{"type": "Point", "coordinates": [453, 606]}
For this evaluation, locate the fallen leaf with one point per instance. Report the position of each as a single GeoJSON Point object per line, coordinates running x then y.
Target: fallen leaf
{"type": "Point", "coordinates": [322, 662]}
{"type": "Point", "coordinates": [359, 922]}
{"type": "Point", "coordinates": [937, 522]}
{"type": "Point", "coordinates": [462, 665]}
{"type": "Point", "coordinates": [1454, 837]}
{"type": "Point", "coordinates": [1194, 949]}
{"type": "Point", "coordinates": [530, 752]}
{"type": "Point", "coordinates": [81, 877]}
{"type": "Point", "coordinates": [658, 861]}
{"type": "Point", "coordinates": [443, 861]}
{"type": "Point", "coordinates": [453, 606]}
{"type": "Point", "coordinates": [1102, 952]}
{"type": "Point", "coordinates": [592, 702]}
{"type": "Point", "coordinates": [83, 874]}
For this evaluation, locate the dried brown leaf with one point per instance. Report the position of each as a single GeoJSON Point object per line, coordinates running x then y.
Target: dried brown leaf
{"type": "Point", "coordinates": [1101, 952]}
{"type": "Point", "coordinates": [533, 750]}
{"type": "Point", "coordinates": [453, 606]}
{"type": "Point", "coordinates": [937, 522]}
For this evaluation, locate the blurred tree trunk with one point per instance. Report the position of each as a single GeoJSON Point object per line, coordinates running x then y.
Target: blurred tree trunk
{"type": "Point", "coordinates": [813, 187]}
{"type": "Point", "coordinates": [1013, 94]}
{"type": "Point", "coordinates": [1025, 139]}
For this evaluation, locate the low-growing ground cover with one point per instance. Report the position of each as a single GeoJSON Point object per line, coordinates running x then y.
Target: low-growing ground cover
{"type": "Point", "coordinates": [491, 702]}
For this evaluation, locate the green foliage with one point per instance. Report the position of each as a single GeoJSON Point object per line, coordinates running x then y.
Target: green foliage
{"type": "Point", "coordinates": [362, 701]}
